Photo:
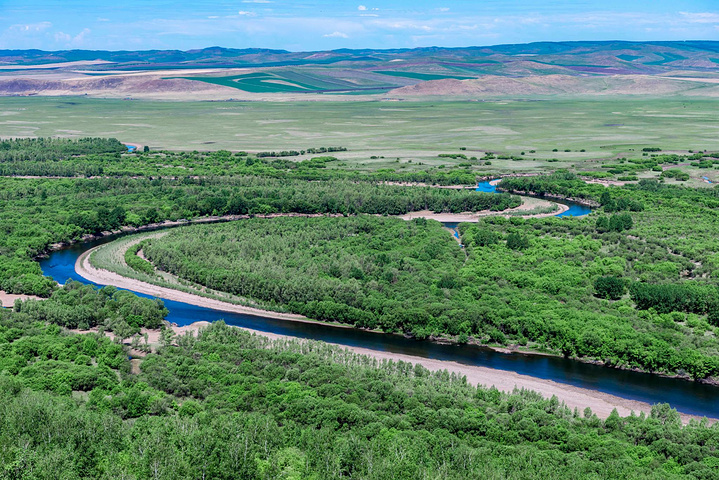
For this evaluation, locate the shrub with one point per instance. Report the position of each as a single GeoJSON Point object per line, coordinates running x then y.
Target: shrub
{"type": "Point", "coordinates": [610, 288]}
{"type": "Point", "coordinates": [516, 241]}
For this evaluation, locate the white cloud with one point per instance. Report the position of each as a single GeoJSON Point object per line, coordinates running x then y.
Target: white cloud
{"type": "Point", "coordinates": [70, 41]}
{"type": "Point", "coordinates": [62, 37]}
{"type": "Point", "coordinates": [403, 25]}
{"type": "Point", "coordinates": [336, 35]}
{"type": "Point", "coordinates": [700, 17]}
{"type": "Point", "coordinates": [31, 27]}
{"type": "Point", "coordinates": [245, 13]}
{"type": "Point", "coordinates": [361, 8]}
{"type": "Point", "coordinates": [443, 9]}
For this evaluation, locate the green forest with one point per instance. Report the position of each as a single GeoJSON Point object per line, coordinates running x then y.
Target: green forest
{"type": "Point", "coordinates": [98, 157]}
{"type": "Point", "coordinates": [37, 213]}
{"type": "Point", "coordinates": [227, 404]}
{"type": "Point", "coordinates": [531, 283]}
{"type": "Point", "coordinates": [365, 271]}
{"type": "Point", "coordinates": [633, 285]}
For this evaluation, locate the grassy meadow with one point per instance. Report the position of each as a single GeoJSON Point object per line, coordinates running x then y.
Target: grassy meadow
{"type": "Point", "coordinates": [401, 135]}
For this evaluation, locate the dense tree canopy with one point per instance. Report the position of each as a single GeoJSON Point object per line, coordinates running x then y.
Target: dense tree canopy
{"type": "Point", "coordinates": [232, 405]}
{"type": "Point", "coordinates": [38, 212]}
{"type": "Point", "coordinates": [366, 271]}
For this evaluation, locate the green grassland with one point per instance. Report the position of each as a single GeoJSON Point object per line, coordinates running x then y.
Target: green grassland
{"type": "Point", "coordinates": [256, 83]}
{"type": "Point", "coordinates": [409, 135]}
{"type": "Point", "coordinates": [294, 81]}
{"type": "Point", "coordinates": [421, 76]}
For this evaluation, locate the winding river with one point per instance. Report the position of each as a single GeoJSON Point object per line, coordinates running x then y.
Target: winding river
{"type": "Point", "coordinates": [575, 209]}
{"type": "Point", "coordinates": [687, 397]}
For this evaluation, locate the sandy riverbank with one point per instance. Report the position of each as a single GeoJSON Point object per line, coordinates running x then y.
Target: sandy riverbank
{"type": "Point", "coordinates": [601, 403]}
{"type": "Point", "coordinates": [104, 277]}
{"type": "Point", "coordinates": [476, 216]}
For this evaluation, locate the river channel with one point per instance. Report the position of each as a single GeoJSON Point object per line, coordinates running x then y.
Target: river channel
{"type": "Point", "coordinates": [687, 397]}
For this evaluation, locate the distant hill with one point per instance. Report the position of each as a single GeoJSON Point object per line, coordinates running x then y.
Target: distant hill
{"type": "Point", "coordinates": [595, 57]}
{"type": "Point", "coordinates": [642, 68]}
{"type": "Point", "coordinates": [496, 86]}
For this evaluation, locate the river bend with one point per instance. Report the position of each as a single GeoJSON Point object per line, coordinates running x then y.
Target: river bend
{"type": "Point", "coordinates": [687, 397]}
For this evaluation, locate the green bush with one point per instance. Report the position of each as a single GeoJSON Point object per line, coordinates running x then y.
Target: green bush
{"type": "Point", "coordinates": [610, 288]}
{"type": "Point", "coordinates": [516, 241]}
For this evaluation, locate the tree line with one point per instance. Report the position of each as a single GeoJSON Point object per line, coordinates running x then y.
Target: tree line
{"type": "Point", "coordinates": [53, 149]}
{"type": "Point", "coordinates": [91, 157]}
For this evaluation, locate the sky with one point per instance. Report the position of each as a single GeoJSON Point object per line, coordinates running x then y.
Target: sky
{"type": "Point", "coordinates": [308, 25]}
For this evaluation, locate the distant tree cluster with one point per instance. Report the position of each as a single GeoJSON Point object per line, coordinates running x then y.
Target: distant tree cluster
{"type": "Point", "coordinates": [676, 174]}
{"type": "Point", "coordinates": [295, 153]}
{"type": "Point", "coordinates": [52, 149]}
{"type": "Point", "coordinates": [688, 297]}
{"type": "Point", "coordinates": [620, 204]}
{"type": "Point", "coordinates": [516, 241]}
{"type": "Point", "coordinates": [610, 288]}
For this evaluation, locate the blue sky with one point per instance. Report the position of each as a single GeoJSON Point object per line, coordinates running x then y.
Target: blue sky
{"type": "Point", "coordinates": [324, 24]}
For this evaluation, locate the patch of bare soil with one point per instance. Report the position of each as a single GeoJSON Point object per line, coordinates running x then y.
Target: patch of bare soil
{"type": "Point", "coordinates": [7, 300]}
{"type": "Point", "coordinates": [491, 85]}
{"type": "Point", "coordinates": [110, 85]}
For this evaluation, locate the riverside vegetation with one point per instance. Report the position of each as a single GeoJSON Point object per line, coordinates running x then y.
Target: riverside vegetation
{"type": "Point", "coordinates": [227, 404]}
{"type": "Point", "coordinates": [542, 283]}
{"type": "Point", "coordinates": [38, 212]}
{"type": "Point", "coordinates": [231, 405]}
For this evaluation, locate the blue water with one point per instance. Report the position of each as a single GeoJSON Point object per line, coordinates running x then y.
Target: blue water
{"type": "Point", "coordinates": [453, 226]}
{"type": "Point", "coordinates": [486, 187]}
{"type": "Point", "coordinates": [687, 397]}
{"type": "Point", "coordinates": [575, 209]}
{"type": "Point", "coordinates": [130, 148]}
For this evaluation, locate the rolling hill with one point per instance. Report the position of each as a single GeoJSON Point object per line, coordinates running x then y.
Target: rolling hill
{"type": "Point", "coordinates": [545, 68]}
